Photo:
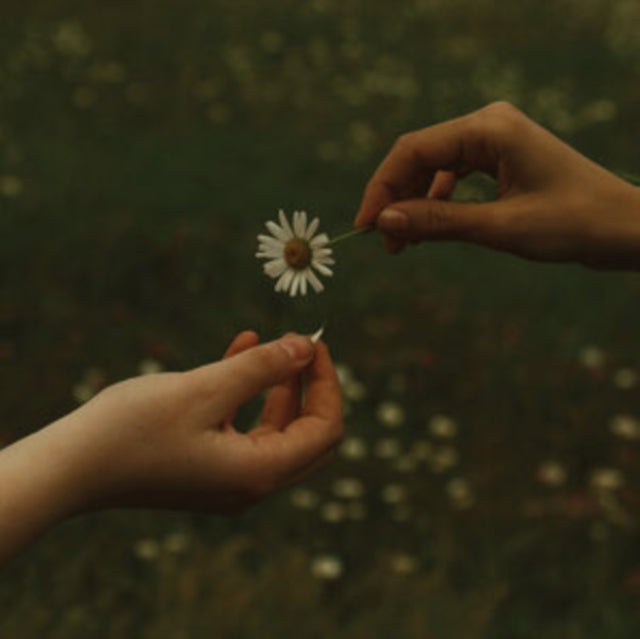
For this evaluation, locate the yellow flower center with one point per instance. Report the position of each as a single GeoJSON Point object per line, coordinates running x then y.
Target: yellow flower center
{"type": "Point", "coordinates": [297, 253]}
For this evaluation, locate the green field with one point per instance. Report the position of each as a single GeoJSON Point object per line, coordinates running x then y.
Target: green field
{"type": "Point", "coordinates": [492, 459]}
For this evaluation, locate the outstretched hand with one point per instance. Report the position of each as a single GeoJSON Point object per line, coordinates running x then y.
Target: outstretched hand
{"type": "Point", "coordinates": [167, 440]}
{"type": "Point", "coordinates": [552, 203]}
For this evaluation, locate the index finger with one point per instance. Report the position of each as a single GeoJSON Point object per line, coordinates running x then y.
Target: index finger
{"type": "Point", "coordinates": [408, 169]}
{"type": "Point", "coordinates": [319, 428]}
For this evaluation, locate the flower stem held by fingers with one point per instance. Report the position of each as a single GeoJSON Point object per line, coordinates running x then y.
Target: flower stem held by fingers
{"type": "Point", "coordinates": [352, 233]}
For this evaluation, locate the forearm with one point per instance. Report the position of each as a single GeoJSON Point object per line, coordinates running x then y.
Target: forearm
{"type": "Point", "coordinates": [40, 485]}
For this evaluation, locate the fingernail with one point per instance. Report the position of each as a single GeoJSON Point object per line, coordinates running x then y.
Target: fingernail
{"type": "Point", "coordinates": [393, 220]}
{"type": "Point", "coordinates": [298, 348]}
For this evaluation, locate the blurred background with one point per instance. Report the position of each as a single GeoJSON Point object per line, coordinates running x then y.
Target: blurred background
{"type": "Point", "coordinates": [489, 485]}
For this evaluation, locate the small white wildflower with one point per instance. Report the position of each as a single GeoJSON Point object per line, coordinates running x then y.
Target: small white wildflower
{"type": "Point", "coordinates": [82, 392]}
{"type": "Point", "coordinates": [344, 373]}
{"type": "Point", "coordinates": [149, 366]}
{"type": "Point", "coordinates": [625, 378]}
{"type": "Point", "coordinates": [406, 464]}
{"type": "Point", "coordinates": [304, 498]}
{"type": "Point", "coordinates": [625, 427]}
{"type": "Point", "coordinates": [146, 549]}
{"type": "Point", "coordinates": [443, 427]}
{"type": "Point", "coordinates": [591, 357]}
{"type": "Point", "coordinates": [606, 479]}
{"type": "Point", "coordinates": [10, 185]}
{"type": "Point", "coordinates": [443, 459]}
{"type": "Point", "coordinates": [354, 390]}
{"type": "Point", "coordinates": [326, 567]}
{"type": "Point", "coordinates": [348, 488]}
{"type": "Point", "coordinates": [293, 251]}
{"type": "Point", "coordinates": [459, 492]}
{"type": "Point", "coordinates": [387, 448]}
{"type": "Point", "coordinates": [354, 448]}
{"type": "Point", "coordinates": [390, 414]}
{"type": "Point", "coordinates": [333, 512]}
{"type": "Point", "coordinates": [90, 384]}
{"type": "Point", "coordinates": [393, 493]}
{"type": "Point", "coordinates": [551, 473]}
{"type": "Point", "coordinates": [403, 564]}
{"type": "Point", "coordinates": [70, 38]}
{"type": "Point", "coordinates": [176, 542]}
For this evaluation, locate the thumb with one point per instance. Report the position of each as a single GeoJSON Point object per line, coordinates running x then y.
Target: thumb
{"type": "Point", "coordinates": [252, 371]}
{"type": "Point", "coordinates": [434, 219]}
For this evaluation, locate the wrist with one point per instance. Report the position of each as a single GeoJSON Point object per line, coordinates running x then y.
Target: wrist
{"type": "Point", "coordinates": [45, 481]}
{"type": "Point", "coordinates": [36, 491]}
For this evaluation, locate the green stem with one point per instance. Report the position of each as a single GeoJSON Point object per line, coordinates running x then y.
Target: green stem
{"type": "Point", "coordinates": [348, 234]}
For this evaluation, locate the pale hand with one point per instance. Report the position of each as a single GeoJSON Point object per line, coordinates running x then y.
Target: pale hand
{"type": "Point", "coordinates": [167, 440]}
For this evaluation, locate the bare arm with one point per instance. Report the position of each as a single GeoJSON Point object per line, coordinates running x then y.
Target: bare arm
{"type": "Point", "coordinates": [167, 441]}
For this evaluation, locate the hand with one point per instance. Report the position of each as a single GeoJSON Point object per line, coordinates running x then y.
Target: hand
{"type": "Point", "coordinates": [552, 203]}
{"type": "Point", "coordinates": [167, 440]}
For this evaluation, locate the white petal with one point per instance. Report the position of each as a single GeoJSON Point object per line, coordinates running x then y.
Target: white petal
{"type": "Point", "coordinates": [300, 223]}
{"type": "Point", "coordinates": [294, 285]}
{"type": "Point", "coordinates": [278, 232]}
{"type": "Point", "coordinates": [314, 281]}
{"type": "Point", "coordinates": [269, 253]}
{"type": "Point", "coordinates": [285, 280]}
{"type": "Point", "coordinates": [269, 241]}
{"type": "Point", "coordinates": [284, 223]}
{"type": "Point", "coordinates": [317, 335]}
{"type": "Point", "coordinates": [321, 268]}
{"type": "Point", "coordinates": [319, 241]}
{"type": "Point", "coordinates": [325, 260]}
{"type": "Point", "coordinates": [275, 268]}
{"type": "Point", "coordinates": [303, 282]}
{"type": "Point", "coordinates": [322, 252]}
{"type": "Point", "coordinates": [295, 221]}
{"type": "Point", "coordinates": [312, 228]}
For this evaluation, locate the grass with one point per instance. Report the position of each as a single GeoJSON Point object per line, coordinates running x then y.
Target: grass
{"type": "Point", "coordinates": [148, 145]}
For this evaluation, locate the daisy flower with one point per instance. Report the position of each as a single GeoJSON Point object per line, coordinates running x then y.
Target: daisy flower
{"type": "Point", "coordinates": [294, 252]}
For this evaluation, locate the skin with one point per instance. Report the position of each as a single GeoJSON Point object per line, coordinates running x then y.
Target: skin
{"type": "Point", "coordinates": [167, 440]}
{"type": "Point", "coordinates": [551, 204]}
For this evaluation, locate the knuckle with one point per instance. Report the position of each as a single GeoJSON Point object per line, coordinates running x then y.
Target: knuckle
{"type": "Point", "coordinates": [404, 141]}
{"type": "Point", "coordinates": [502, 118]}
{"type": "Point", "coordinates": [501, 108]}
